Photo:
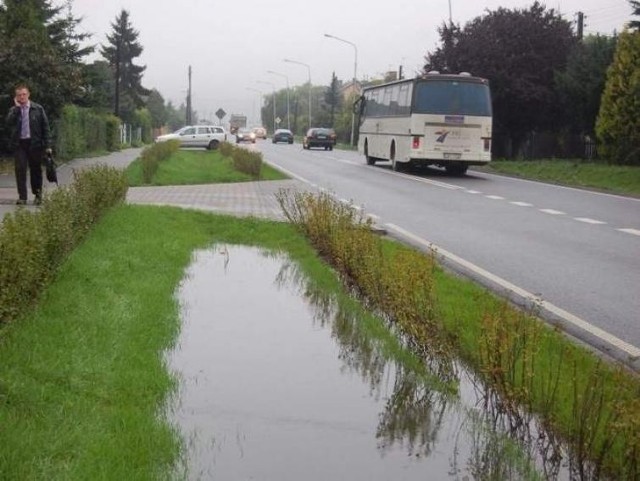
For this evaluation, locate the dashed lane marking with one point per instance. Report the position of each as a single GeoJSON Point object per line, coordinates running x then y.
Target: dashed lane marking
{"type": "Point", "coordinates": [552, 211]}
{"type": "Point", "coordinates": [586, 220]}
{"type": "Point", "coordinates": [630, 231]}
{"type": "Point", "coordinates": [494, 197]}
{"type": "Point", "coordinates": [521, 204]}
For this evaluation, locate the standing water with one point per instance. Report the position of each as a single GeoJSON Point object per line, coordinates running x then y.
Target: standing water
{"type": "Point", "coordinates": [281, 382]}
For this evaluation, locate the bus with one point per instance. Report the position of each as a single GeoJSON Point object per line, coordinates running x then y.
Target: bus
{"type": "Point", "coordinates": [437, 119]}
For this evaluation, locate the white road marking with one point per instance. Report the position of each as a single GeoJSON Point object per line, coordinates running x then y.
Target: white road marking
{"type": "Point", "coordinates": [521, 204]}
{"type": "Point", "coordinates": [473, 192]}
{"type": "Point", "coordinates": [629, 349]}
{"type": "Point", "coordinates": [630, 231]}
{"type": "Point", "coordinates": [588, 221]}
{"type": "Point", "coordinates": [494, 197]}
{"type": "Point", "coordinates": [552, 211]}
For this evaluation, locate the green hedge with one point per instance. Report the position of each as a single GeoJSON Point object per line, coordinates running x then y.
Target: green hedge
{"type": "Point", "coordinates": [34, 244]}
{"type": "Point", "coordinates": [80, 131]}
{"type": "Point", "coordinates": [153, 155]}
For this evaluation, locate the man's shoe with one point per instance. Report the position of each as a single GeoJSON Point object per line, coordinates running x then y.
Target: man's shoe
{"type": "Point", "coordinates": [21, 202]}
{"type": "Point", "coordinates": [37, 200]}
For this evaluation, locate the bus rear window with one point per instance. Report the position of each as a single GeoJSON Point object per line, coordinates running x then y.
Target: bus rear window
{"type": "Point", "coordinates": [452, 98]}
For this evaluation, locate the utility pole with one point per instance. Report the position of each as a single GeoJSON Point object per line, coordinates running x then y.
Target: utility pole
{"type": "Point", "coordinates": [188, 119]}
{"type": "Point", "coordinates": [116, 109]}
{"type": "Point", "coordinates": [580, 25]}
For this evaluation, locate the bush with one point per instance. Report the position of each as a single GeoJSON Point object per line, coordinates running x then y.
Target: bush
{"type": "Point", "coordinates": [80, 131]}
{"type": "Point", "coordinates": [34, 244]}
{"type": "Point", "coordinates": [153, 155]}
{"type": "Point", "coordinates": [246, 161]}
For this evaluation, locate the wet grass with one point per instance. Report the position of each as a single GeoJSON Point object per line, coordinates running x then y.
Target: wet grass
{"type": "Point", "coordinates": [83, 383]}
{"type": "Point", "coordinates": [618, 179]}
{"type": "Point", "coordinates": [187, 167]}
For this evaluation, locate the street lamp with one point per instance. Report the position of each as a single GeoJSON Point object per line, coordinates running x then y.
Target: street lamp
{"type": "Point", "coordinates": [287, 79]}
{"type": "Point", "coordinates": [259, 92]}
{"type": "Point", "coordinates": [274, 100]}
{"type": "Point", "coordinates": [309, 70]}
{"type": "Point", "coordinates": [355, 73]}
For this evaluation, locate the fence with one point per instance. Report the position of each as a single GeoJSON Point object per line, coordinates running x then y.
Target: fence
{"type": "Point", "coordinates": [130, 135]}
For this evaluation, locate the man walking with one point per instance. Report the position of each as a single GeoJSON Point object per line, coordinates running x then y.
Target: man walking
{"type": "Point", "coordinates": [29, 138]}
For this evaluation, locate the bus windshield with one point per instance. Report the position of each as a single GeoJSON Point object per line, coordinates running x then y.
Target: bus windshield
{"type": "Point", "coordinates": [452, 97]}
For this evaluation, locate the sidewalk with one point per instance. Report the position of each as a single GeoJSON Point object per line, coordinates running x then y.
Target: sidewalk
{"type": "Point", "coordinates": [242, 199]}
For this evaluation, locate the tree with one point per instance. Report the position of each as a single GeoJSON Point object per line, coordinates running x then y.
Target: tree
{"type": "Point", "coordinates": [333, 98]}
{"type": "Point", "coordinates": [618, 124]}
{"type": "Point", "coordinates": [518, 51]}
{"type": "Point", "coordinates": [39, 46]}
{"type": "Point", "coordinates": [157, 109]}
{"type": "Point", "coordinates": [121, 51]}
{"type": "Point", "coordinates": [581, 84]}
{"type": "Point", "coordinates": [635, 24]}
{"type": "Point", "coordinates": [98, 86]}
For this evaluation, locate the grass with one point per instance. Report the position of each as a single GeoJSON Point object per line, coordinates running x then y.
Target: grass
{"type": "Point", "coordinates": [617, 179]}
{"type": "Point", "coordinates": [82, 378]}
{"type": "Point", "coordinates": [197, 167]}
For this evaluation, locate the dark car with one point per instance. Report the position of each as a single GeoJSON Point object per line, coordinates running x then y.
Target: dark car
{"type": "Point", "coordinates": [282, 135]}
{"type": "Point", "coordinates": [319, 137]}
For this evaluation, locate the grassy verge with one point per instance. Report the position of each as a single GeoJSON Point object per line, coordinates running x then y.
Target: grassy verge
{"type": "Point", "coordinates": [82, 378]}
{"type": "Point", "coordinates": [197, 167]}
{"type": "Point", "coordinates": [611, 178]}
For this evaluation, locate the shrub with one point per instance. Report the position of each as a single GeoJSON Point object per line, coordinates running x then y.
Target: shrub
{"type": "Point", "coordinates": [246, 161]}
{"type": "Point", "coordinates": [34, 244]}
{"type": "Point", "coordinates": [153, 155]}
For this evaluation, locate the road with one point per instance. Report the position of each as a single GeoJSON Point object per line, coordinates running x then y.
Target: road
{"type": "Point", "coordinates": [577, 252]}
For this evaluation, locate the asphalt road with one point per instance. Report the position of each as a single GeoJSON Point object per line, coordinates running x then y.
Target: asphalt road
{"type": "Point", "coordinates": [576, 252]}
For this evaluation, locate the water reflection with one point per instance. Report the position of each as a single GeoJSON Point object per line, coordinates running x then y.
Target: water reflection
{"type": "Point", "coordinates": [281, 380]}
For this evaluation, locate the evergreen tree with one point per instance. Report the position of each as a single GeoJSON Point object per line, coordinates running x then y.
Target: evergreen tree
{"type": "Point", "coordinates": [39, 46]}
{"type": "Point", "coordinates": [333, 98]}
{"type": "Point", "coordinates": [122, 49]}
{"type": "Point", "coordinates": [618, 125]}
{"type": "Point", "coordinates": [635, 24]}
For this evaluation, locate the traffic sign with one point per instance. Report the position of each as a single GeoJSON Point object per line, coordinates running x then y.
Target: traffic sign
{"type": "Point", "coordinates": [278, 120]}
{"type": "Point", "coordinates": [220, 114]}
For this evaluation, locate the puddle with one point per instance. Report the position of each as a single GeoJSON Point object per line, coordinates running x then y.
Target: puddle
{"type": "Point", "coordinates": [279, 382]}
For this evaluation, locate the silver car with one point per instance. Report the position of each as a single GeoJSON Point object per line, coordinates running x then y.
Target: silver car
{"type": "Point", "coordinates": [207, 136]}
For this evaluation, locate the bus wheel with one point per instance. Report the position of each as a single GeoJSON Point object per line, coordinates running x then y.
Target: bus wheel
{"type": "Point", "coordinates": [456, 169]}
{"type": "Point", "coordinates": [370, 160]}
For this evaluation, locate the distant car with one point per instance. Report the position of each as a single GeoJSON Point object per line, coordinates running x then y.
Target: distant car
{"type": "Point", "coordinates": [319, 137]}
{"type": "Point", "coordinates": [261, 132]}
{"type": "Point", "coordinates": [245, 135]}
{"type": "Point", "coordinates": [207, 136]}
{"type": "Point", "coordinates": [282, 135]}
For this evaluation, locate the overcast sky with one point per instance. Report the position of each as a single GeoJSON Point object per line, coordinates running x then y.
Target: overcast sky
{"type": "Point", "coordinates": [231, 45]}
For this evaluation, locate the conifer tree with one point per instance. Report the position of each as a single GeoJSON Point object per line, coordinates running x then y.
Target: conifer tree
{"type": "Point", "coordinates": [120, 52]}
{"type": "Point", "coordinates": [618, 125]}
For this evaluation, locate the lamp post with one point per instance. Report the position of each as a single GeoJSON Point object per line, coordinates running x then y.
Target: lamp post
{"type": "Point", "coordinates": [355, 73]}
{"type": "Point", "coordinates": [309, 70]}
{"type": "Point", "coordinates": [260, 93]}
{"type": "Point", "coordinates": [287, 80]}
{"type": "Point", "coordinates": [274, 100]}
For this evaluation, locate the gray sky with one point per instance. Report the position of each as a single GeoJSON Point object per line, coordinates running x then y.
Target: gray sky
{"type": "Point", "coordinates": [231, 45]}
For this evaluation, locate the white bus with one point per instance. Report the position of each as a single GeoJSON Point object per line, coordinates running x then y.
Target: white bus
{"type": "Point", "coordinates": [437, 119]}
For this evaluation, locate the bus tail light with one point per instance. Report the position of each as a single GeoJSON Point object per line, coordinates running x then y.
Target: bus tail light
{"type": "Point", "coordinates": [487, 144]}
{"type": "Point", "coordinates": [416, 142]}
